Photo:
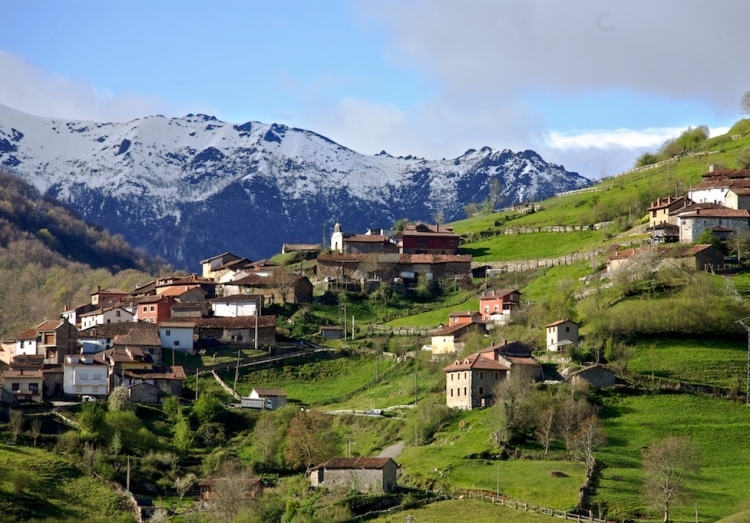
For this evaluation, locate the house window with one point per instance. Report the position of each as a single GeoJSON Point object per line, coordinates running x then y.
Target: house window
{"type": "Point", "coordinates": [145, 309]}
{"type": "Point", "coordinates": [464, 375]}
{"type": "Point", "coordinates": [451, 393]}
{"type": "Point", "coordinates": [497, 307]}
{"type": "Point", "coordinates": [152, 309]}
{"type": "Point", "coordinates": [95, 389]}
{"type": "Point", "coordinates": [451, 377]}
{"type": "Point", "coordinates": [458, 391]}
{"type": "Point", "coordinates": [567, 329]}
{"type": "Point", "coordinates": [486, 308]}
{"type": "Point", "coordinates": [151, 320]}
{"type": "Point", "coordinates": [481, 391]}
{"type": "Point", "coordinates": [176, 343]}
{"type": "Point", "coordinates": [464, 391]}
{"type": "Point", "coordinates": [117, 313]}
{"type": "Point", "coordinates": [481, 374]}
{"type": "Point", "coordinates": [497, 375]}
{"type": "Point", "coordinates": [79, 389]}
{"type": "Point", "coordinates": [96, 377]}
{"type": "Point", "coordinates": [169, 332]}
{"type": "Point", "coordinates": [34, 388]}
{"type": "Point", "coordinates": [84, 377]}
{"type": "Point", "coordinates": [15, 387]}
{"type": "Point", "coordinates": [109, 321]}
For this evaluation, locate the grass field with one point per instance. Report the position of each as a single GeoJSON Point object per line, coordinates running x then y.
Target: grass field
{"type": "Point", "coordinates": [549, 279]}
{"type": "Point", "coordinates": [464, 510]}
{"type": "Point", "coordinates": [531, 246]}
{"type": "Point", "coordinates": [54, 489]}
{"type": "Point", "coordinates": [524, 480]}
{"type": "Point", "coordinates": [720, 428]}
{"type": "Point", "coordinates": [434, 317]}
{"type": "Point", "coordinates": [709, 361]}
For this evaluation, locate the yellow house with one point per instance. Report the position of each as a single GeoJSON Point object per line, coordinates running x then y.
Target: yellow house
{"type": "Point", "coordinates": [24, 384]}
{"type": "Point", "coordinates": [449, 340]}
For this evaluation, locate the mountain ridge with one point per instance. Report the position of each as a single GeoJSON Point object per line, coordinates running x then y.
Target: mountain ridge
{"type": "Point", "coordinates": [183, 188]}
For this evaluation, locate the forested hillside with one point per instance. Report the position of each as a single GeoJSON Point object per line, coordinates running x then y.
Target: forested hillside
{"type": "Point", "coordinates": [50, 258]}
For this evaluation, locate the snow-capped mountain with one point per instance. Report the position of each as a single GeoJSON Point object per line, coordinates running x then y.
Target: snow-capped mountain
{"type": "Point", "coordinates": [187, 188]}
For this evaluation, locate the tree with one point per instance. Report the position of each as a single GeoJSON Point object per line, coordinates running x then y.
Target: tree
{"type": "Point", "coordinates": [399, 225]}
{"type": "Point", "coordinates": [115, 444]}
{"type": "Point", "coordinates": [545, 428]}
{"type": "Point", "coordinates": [16, 424]}
{"type": "Point", "coordinates": [739, 242]}
{"type": "Point", "coordinates": [36, 429]}
{"type": "Point", "coordinates": [646, 159]}
{"type": "Point", "coordinates": [471, 209]}
{"type": "Point", "coordinates": [310, 440]}
{"type": "Point", "coordinates": [119, 400]}
{"type": "Point", "coordinates": [743, 158]}
{"type": "Point", "coordinates": [745, 103]}
{"type": "Point", "coordinates": [588, 437]}
{"type": "Point", "coordinates": [570, 414]}
{"type": "Point", "coordinates": [495, 191]}
{"type": "Point", "coordinates": [229, 491]}
{"type": "Point", "coordinates": [266, 438]}
{"type": "Point", "coordinates": [182, 437]}
{"type": "Point", "coordinates": [208, 409]}
{"type": "Point", "coordinates": [184, 484]}
{"type": "Point", "coordinates": [284, 281]}
{"type": "Point", "coordinates": [438, 216]}
{"type": "Point", "coordinates": [666, 464]}
{"type": "Point", "coordinates": [512, 402]}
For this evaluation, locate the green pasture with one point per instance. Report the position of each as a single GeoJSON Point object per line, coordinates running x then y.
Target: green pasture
{"type": "Point", "coordinates": [549, 280]}
{"type": "Point", "coordinates": [435, 317]}
{"type": "Point", "coordinates": [454, 452]}
{"type": "Point", "coordinates": [540, 245]}
{"type": "Point", "coordinates": [720, 428]}
{"type": "Point", "coordinates": [716, 362]}
{"type": "Point", "coordinates": [52, 489]}
{"type": "Point", "coordinates": [474, 511]}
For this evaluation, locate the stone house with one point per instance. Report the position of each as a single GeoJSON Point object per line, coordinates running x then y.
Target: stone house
{"type": "Point", "coordinates": [167, 379]}
{"type": "Point", "coordinates": [240, 330]}
{"type": "Point", "coordinates": [386, 267]}
{"type": "Point", "coordinates": [254, 489]}
{"type": "Point", "coordinates": [145, 340]}
{"type": "Point", "coordinates": [594, 376]}
{"type": "Point", "coordinates": [144, 392]}
{"type": "Point", "coordinates": [55, 340]}
{"type": "Point", "coordinates": [695, 257]}
{"type": "Point", "coordinates": [278, 287]}
{"type": "Point", "coordinates": [360, 474]}
{"type": "Point", "coordinates": [560, 334]}
{"type": "Point", "coordinates": [331, 332]}
{"type": "Point", "coordinates": [470, 382]}
{"type": "Point", "coordinates": [190, 309]}
{"type": "Point", "coordinates": [693, 223]}
{"type": "Point", "coordinates": [369, 244]}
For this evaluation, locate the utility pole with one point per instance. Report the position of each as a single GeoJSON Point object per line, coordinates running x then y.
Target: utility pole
{"type": "Point", "coordinates": [237, 370]}
{"type": "Point", "coordinates": [344, 307]}
{"type": "Point", "coordinates": [352, 338]}
{"type": "Point", "coordinates": [196, 384]}
{"type": "Point", "coordinates": [127, 482]}
{"type": "Point", "coordinates": [747, 377]}
{"type": "Point", "coordinates": [497, 485]}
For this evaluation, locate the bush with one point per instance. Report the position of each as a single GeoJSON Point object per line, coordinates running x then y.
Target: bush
{"type": "Point", "coordinates": [646, 159]}
{"type": "Point", "coordinates": [743, 158]}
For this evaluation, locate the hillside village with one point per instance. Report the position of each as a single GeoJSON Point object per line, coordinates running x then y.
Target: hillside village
{"type": "Point", "coordinates": [152, 345]}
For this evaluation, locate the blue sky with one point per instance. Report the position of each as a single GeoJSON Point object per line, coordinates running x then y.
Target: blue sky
{"type": "Point", "coordinates": [589, 84]}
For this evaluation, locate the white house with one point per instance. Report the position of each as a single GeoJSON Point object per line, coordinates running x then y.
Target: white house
{"type": "Point", "coordinates": [102, 316]}
{"type": "Point", "coordinates": [177, 335]}
{"type": "Point", "coordinates": [560, 334]}
{"type": "Point", "coordinates": [26, 343]}
{"type": "Point", "coordinates": [84, 375]}
{"type": "Point", "coordinates": [237, 305]}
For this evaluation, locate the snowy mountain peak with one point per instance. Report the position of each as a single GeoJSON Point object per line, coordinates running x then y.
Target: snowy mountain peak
{"type": "Point", "coordinates": [170, 185]}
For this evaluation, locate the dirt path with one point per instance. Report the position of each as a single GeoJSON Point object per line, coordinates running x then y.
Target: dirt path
{"type": "Point", "coordinates": [393, 451]}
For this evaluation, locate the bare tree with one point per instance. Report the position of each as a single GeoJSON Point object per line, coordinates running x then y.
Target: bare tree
{"type": "Point", "coordinates": [284, 282]}
{"type": "Point", "coordinates": [184, 484]}
{"type": "Point", "coordinates": [36, 429]}
{"type": "Point", "coordinates": [512, 399]}
{"type": "Point", "coordinates": [16, 424]}
{"type": "Point", "coordinates": [160, 515]}
{"type": "Point", "coordinates": [230, 491]}
{"type": "Point", "coordinates": [589, 436]}
{"type": "Point", "coordinates": [545, 428]}
{"type": "Point", "coordinates": [568, 420]}
{"type": "Point", "coordinates": [666, 463]}
{"type": "Point", "coordinates": [119, 400]}
{"type": "Point", "coordinates": [310, 440]}
{"type": "Point", "coordinates": [745, 103]}
{"type": "Point", "coordinates": [471, 209]}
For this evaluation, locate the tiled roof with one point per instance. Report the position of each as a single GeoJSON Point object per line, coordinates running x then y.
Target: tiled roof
{"type": "Point", "coordinates": [146, 338]}
{"type": "Point", "coordinates": [121, 354]}
{"type": "Point", "coordinates": [188, 306]}
{"type": "Point", "coordinates": [240, 322]}
{"type": "Point", "coordinates": [666, 202]}
{"type": "Point", "coordinates": [399, 258]}
{"type": "Point", "coordinates": [463, 314]}
{"type": "Point", "coordinates": [265, 393]}
{"type": "Point", "coordinates": [219, 256]}
{"type": "Point", "coordinates": [478, 361]}
{"type": "Point", "coordinates": [590, 367]}
{"type": "Point", "coordinates": [23, 373]}
{"type": "Point", "coordinates": [559, 322]}
{"type": "Point", "coordinates": [511, 348]}
{"type": "Point", "coordinates": [179, 290]}
{"type": "Point", "coordinates": [157, 373]}
{"type": "Point", "coordinates": [521, 360]}
{"type": "Point", "coordinates": [28, 334]}
{"type": "Point", "coordinates": [237, 297]}
{"type": "Point", "coordinates": [110, 330]}
{"type": "Point", "coordinates": [498, 293]}
{"type": "Point", "coordinates": [456, 328]}
{"type": "Point", "coordinates": [102, 310]}
{"type": "Point", "coordinates": [367, 238]}
{"type": "Point", "coordinates": [110, 290]}
{"type": "Point", "coordinates": [718, 212]}
{"type": "Point", "coordinates": [49, 325]}
{"type": "Point", "coordinates": [354, 463]}
{"type": "Point", "coordinates": [177, 324]}
{"type": "Point", "coordinates": [155, 298]}
{"type": "Point", "coordinates": [422, 229]}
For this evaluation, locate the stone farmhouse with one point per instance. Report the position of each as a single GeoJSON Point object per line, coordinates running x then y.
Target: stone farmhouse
{"type": "Point", "coordinates": [360, 474]}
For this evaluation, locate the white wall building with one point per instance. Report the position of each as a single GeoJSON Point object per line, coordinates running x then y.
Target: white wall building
{"type": "Point", "coordinates": [692, 223]}
{"type": "Point", "coordinates": [177, 335]}
{"type": "Point", "coordinates": [84, 375]}
{"type": "Point", "coordinates": [102, 316]}
{"type": "Point", "coordinates": [560, 334]}
{"type": "Point", "coordinates": [237, 305]}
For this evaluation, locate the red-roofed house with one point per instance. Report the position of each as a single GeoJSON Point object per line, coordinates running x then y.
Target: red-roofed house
{"type": "Point", "coordinates": [155, 309]}
{"type": "Point", "coordinates": [421, 238]}
{"type": "Point", "coordinates": [693, 223]}
{"type": "Point", "coordinates": [562, 333]}
{"type": "Point", "coordinates": [450, 339]}
{"type": "Point", "coordinates": [459, 317]}
{"type": "Point", "coordinates": [498, 305]}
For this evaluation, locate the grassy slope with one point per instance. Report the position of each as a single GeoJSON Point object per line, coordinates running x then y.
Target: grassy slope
{"type": "Point", "coordinates": [57, 490]}
{"type": "Point", "coordinates": [528, 481]}
{"type": "Point", "coordinates": [469, 510]}
{"type": "Point", "coordinates": [713, 362]}
{"type": "Point", "coordinates": [718, 427]}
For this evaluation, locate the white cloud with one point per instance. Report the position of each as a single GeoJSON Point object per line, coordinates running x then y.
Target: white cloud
{"type": "Point", "coordinates": [27, 88]}
{"type": "Point", "coordinates": [608, 139]}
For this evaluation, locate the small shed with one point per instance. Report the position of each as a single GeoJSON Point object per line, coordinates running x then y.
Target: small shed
{"type": "Point", "coordinates": [332, 332]}
{"type": "Point", "coordinates": [144, 393]}
{"type": "Point", "coordinates": [208, 486]}
{"type": "Point", "coordinates": [594, 376]}
{"type": "Point", "coordinates": [272, 398]}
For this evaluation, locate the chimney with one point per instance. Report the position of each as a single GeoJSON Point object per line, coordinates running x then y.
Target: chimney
{"type": "Point", "coordinates": [505, 342]}
{"type": "Point", "coordinates": [698, 211]}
